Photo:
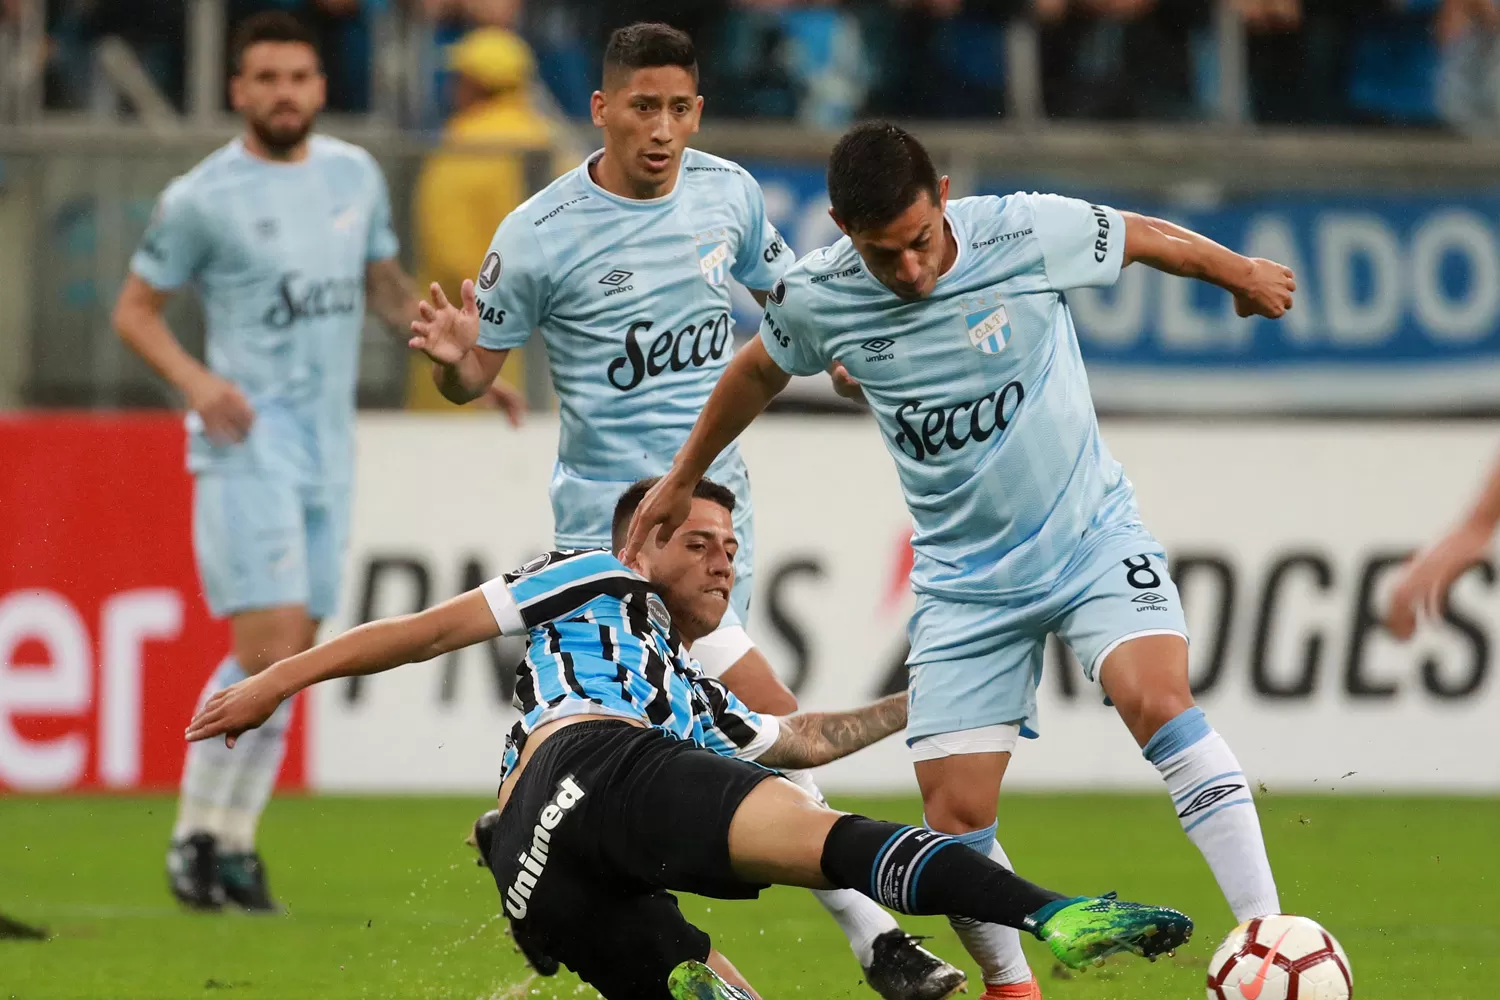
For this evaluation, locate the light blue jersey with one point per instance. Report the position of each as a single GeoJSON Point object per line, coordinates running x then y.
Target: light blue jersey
{"type": "Point", "coordinates": [979, 390]}
{"type": "Point", "coordinates": [632, 300]}
{"type": "Point", "coordinates": [278, 254]}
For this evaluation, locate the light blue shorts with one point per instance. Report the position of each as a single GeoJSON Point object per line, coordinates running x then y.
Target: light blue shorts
{"type": "Point", "coordinates": [583, 511]}
{"type": "Point", "coordinates": [978, 664]}
{"type": "Point", "coordinates": [265, 541]}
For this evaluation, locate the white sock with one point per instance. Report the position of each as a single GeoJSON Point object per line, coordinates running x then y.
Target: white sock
{"type": "Point", "coordinates": [260, 753]}
{"type": "Point", "coordinates": [995, 948]}
{"type": "Point", "coordinates": [1213, 801]}
{"type": "Point", "coordinates": [208, 772]}
{"type": "Point", "coordinates": [860, 918]}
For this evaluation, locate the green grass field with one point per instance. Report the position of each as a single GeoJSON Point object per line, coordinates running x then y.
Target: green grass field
{"type": "Point", "coordinates": [385, 901]}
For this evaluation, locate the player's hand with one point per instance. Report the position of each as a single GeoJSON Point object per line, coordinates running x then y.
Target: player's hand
{"type": "Point", "coordinates": [503, 396]}
{"type": "Point", "coordinates": [1427, 578]}
{"type": "Point", "coordinates": [1267, 291]}
{"type": "Point", "coordinates": [445, 332]}
{"type": "Point", "coordinates": [661, 512]}
{"type": "Point", "coordinates": [235, 709]}
{"type": "Point", "coordinates": [843, 383]}
{"type": "Point", "coordinates": [224, 410]}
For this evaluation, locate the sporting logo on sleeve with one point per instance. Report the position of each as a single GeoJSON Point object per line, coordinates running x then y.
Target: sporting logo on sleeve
{"type": "Point", "coordinates": [489, 271]}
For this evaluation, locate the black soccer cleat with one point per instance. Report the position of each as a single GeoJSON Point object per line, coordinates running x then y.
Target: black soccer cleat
{"type": "Point", "coordinates": [243, 876]}
{"type": "Point", "coordinates": [903, 970]}
{"type": "Point", "coordinates": [193, 873]}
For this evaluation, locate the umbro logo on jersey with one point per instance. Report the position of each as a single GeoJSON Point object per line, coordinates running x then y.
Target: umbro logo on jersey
{"type": "Point", "coordinates": [616, 280]}
{"type": "Point", "coordinates": [1149, 597]}
{"type": "Point", "coordinates": [879, 348]}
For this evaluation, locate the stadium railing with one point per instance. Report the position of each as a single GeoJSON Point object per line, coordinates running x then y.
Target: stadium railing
{"type": "Point", "coordinates": [75, 198]}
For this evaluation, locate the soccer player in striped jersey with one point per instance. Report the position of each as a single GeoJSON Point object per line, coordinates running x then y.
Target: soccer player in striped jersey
{"type": "Point", "coordinates": [623, 265]}
{"type": "Point", "coordinates": [953, 317]}
{"type": "Point", "coordinates": [287, 237]}
{"type": "Point", "coordinates": [630, 775]}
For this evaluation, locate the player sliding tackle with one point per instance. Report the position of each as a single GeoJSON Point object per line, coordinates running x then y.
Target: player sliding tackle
{"type": "Point", "coordinates": [952, 317]}
{"type": "Point", "coordinates": [629, 773]}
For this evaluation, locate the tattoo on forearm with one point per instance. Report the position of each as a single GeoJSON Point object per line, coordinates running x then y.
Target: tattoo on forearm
{"type": "Point", "coordinates": [816, 738]}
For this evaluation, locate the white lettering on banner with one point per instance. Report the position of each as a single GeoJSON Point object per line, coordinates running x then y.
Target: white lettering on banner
{"type": "Point", "coordinates": [1271, 237]}
{"type": "Point", "coordinates": [1455, 321]}
{"type": "Point", "coordinates": [1341, 240]}
{"type": "Point", "coordinates": [129, 621]}
{"type": "Point", "coordinates": [59, 685]}
{"type": "Point", "coordinates": [1283, 540]}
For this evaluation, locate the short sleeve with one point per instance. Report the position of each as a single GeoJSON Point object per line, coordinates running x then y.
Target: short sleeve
{"type": "Point", "coordinates": [383, 243]}
{"type": "Point", "coordinates": [1082, 245]}
{"type": "Point", "coordinates": [554, 585]}
{"type": "Point", "coordinates": [786, 343]}
{"type": "Point", "coordinates": [763, 255]}
{"type": "Point", "coordinates": [176, 244]}
{"type": "Point", "coordinates": [735, 730]}
{"type": "Point", "coordinates": [513, 286]}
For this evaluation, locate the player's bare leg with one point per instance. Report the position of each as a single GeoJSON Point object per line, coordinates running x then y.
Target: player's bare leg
{"type": "Point", "coordinates": [1147, 680]}
{"type": "Point", "coordinates": [895, 964]}
{"type": "Point", "coordinates": [959, 793]}
{"type": "Point", "coordinates": [224, 791]}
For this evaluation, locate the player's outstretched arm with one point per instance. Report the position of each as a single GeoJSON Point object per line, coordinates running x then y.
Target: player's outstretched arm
{"type": "Point", "coordinates": [812, 739]}
{"type": "Point", "coordinates": [137, 318]}
{"type": "Point", "coordinates": [1260, 287]}
{"type": "Point", "coordinates": [367, 649]}
{"type": "Point", "coordinates": [449, 335]}
{"type": "Point", "coordinates": [1427, 578]}
{"type": "Point", "coordinates": [747, 386]}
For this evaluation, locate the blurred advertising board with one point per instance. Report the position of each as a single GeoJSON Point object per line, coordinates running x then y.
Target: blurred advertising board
{"type": "Point", "coordinates": [105, 642]}
{"type": "Point", "coordinates": [1283, 537]}
{"type": "Point", "coordinates": [1398, 303]}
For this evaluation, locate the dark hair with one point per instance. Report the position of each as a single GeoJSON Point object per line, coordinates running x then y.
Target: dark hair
{"type": "Point", "coordinates": [646, 45]}
{"type": "Point", "coordinates": [875, 173]}
{"type": "Point", "coordinates": [630, 501]}
{"type": "Point", "coordinates": [268, 26]}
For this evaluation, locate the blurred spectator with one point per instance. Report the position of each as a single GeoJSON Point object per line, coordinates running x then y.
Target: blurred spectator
{"type": "Point", "coordinates": [940, 58]}
{"type": "Point", "coordinates": [1116, 59]}
{"type": "Point", "coordinates": [1299, 59]}
{"type": "Point", "coordinates": [462, 194]}
{"type": "Point", "coordinates": [1468, 88]}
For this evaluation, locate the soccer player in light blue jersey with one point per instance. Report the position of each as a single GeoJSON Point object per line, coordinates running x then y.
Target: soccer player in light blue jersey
{"type": "Point", "coordinates": [287, 237]}
{"type": "Point", "coordinates": [953, 317]}
{"type": "Point", "coordinates": [624, 265]}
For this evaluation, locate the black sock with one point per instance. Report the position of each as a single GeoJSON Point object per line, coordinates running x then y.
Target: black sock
{"type": "Point", "coordinates": [918, 871]}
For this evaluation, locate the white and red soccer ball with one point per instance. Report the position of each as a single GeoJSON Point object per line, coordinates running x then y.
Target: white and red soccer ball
{"type": "Point", "coordinates": [1280, 958]}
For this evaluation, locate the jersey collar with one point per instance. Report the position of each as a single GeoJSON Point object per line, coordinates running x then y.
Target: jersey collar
{"type": "Point", "coordinates": [594, 188]}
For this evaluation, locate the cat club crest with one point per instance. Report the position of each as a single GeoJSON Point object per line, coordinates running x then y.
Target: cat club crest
{"type": "Point", "coordinates": [989, 329]}
{"type": "Point", "coordinates": [713, 256]}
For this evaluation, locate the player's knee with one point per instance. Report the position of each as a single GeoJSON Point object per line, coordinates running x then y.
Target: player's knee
{"type": "Point", "coordinates": [1155, 709]}
{"type": "Point", "coordinates": [957, 810]}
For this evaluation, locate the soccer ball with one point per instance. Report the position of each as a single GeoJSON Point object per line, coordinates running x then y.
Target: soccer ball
{"type": "Point", "coordinates": [1280, 958]}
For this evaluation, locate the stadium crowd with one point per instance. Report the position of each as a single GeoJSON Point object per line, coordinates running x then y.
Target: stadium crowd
{"type": "Point", "coordinates": [825, 62]}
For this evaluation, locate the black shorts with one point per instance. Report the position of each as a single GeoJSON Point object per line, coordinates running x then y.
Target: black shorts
{"type": "Point", "coordinates": [604, 820]}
